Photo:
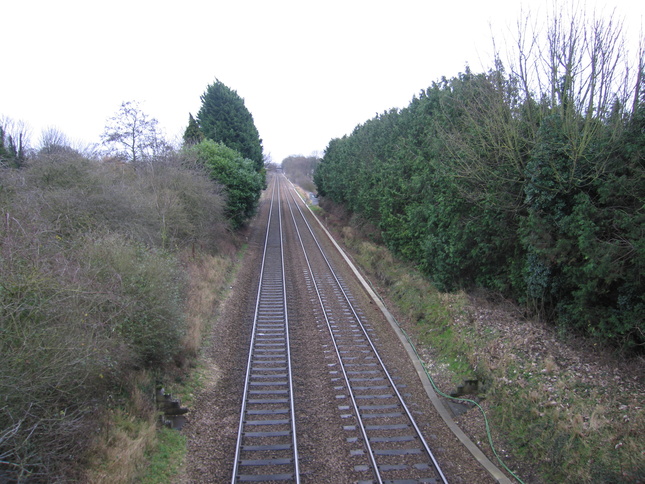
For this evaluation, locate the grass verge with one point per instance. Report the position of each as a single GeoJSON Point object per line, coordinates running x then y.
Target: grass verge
{"type": "Point", "coordinates": [133, 447]}
{"type": "Point", "coordinates": [164, 458]}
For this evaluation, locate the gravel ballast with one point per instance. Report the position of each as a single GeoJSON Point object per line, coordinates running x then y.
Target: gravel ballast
{"type": "Point", "coordinates": [328, 453]}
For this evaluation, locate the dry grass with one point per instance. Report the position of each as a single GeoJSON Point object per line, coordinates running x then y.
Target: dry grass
{"type": "Point", "coordinates": [126, 434]}
{"type": "Point", "coordinates": [129, 435]}
{"type": "Point", "coordinates": [122, 449]}
{"type": "Point", "coordinates": [208, 276]}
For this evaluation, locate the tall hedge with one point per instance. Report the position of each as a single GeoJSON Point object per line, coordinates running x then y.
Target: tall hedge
{"type": "Point", "coordinates": [481, 185]}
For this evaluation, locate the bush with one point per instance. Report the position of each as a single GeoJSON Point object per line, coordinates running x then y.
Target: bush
{"type": "Point", "coordinates": [91, 292]}
{"type": "Point", "coordinates": [57, 359]}
{"type": "Point", "coordinates": [242, 183]}
{"type": "Point", "coordinates": [146, 289]}
{"type": "Point", "coordinates": [162, 204]}
{"type": "Point", "coordinates": [188, 207]}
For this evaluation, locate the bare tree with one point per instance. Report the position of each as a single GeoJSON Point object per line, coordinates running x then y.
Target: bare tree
{"type": "Point", "coordinates": [53, 141]}
{"type": "Point", "coordinates": [577, 68]}
{"type": "Point", "coordinates": [580, 63]}
{"type": "Point", "coordinates": [131, 133]}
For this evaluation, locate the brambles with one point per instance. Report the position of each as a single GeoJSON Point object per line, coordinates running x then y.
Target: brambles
{"type": "Point", "coordinates": [92, 293]}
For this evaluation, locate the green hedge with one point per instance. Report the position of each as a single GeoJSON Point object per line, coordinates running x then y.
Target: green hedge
{"type": "Point", "coordinates": [480, 186]}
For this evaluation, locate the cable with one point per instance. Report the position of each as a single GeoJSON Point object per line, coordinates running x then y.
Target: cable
{"type": "Point", "coordinates": [432, 382]}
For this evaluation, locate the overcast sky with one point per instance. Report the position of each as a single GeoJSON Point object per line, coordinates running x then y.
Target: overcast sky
{"type": "Point", "coordinates": [308, 71]}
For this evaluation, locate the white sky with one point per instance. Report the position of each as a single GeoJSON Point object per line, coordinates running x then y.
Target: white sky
{"type": "Point", "coordinates": [308, 71]}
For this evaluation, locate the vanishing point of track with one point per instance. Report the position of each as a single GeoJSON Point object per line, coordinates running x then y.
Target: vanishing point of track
{"type": "Point", "coordinates": [267, 448]}
{"type": "Point", "coordinates": [387, 442]}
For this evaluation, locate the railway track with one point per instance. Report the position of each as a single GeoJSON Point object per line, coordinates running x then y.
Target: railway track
{"type": "Point", "coordinates": [380, 431]}
{"type": "Point", "coordinates": [267, 447]}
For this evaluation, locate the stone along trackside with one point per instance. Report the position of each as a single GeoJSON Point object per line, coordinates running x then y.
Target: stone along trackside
{"type": "Point", "coordinates": [329, 447]}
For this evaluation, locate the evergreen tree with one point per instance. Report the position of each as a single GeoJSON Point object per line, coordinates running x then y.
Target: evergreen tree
{"type": "Point", "coordinates": [224, 118]}
{"type": "Point", "coordinates": [13, 143]}
{"type": "Point", "coordinates": [4, 153]}
{"type": "Point", "coordinates": [242, 182]}
{"type": "Point", "coordinates": [193, 134]}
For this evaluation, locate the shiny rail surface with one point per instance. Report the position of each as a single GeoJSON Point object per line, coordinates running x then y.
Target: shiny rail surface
{"type": "Point", "coordinates": [266, 449]}
{"type": "Point", "coordinates": [383, 428]}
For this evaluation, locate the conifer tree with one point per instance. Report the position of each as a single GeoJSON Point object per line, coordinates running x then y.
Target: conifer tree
{"type": "Point", "coordinates": [224, 118]}
{"type": "Point", "coordinates": [193, 134]}
{"type": "Point", "coordinates": [13, 143]}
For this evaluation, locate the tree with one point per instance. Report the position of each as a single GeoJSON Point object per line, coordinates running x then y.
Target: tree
{"type": "Point", "coordinates": [193, 134]}
{"type": "Point", "coordinates": [242, 183]}
{"type": "Point", "coordinates": [52, 140]}
{"type": "Point", "coordinates": [224, 118]}
{"type": "Point", "coordinates": [54, 145]}
{"type": "Point", "coordinates": [132, 134]}
{"type": "Point", "coordinates": [13, 142]}
{"type": "Point", "coordinates": [300, 170]}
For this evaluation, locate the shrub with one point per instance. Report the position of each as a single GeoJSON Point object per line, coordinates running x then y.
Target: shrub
{"type": "Point", "coordinates": [146, 288]}
{"type": "Point", "coordinates": [91, 291]}
{"type": "Point", "coordinates": [57, 360]}
{"type": "Point", "coordinates": [242, 183]}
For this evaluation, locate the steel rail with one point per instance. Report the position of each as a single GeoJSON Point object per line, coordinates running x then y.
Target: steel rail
{"type": "Point", "coordinates": [344, 371]}
{"type": "Point", "coordinates": [358, 319]}
{"type": "Point", "coordinates": [270, 332]}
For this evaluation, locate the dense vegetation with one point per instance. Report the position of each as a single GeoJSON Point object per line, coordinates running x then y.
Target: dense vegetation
{"type": "Point", "coordinates": [92, 294]}
{"type": "Point", "coordinates": [110, 268]}
{"type": "Point", "coordinates": [243, 183]}
{"type": "Point", "coordinates": [224, 118]}
{"type": "Point", "coordinates": [527, 181]}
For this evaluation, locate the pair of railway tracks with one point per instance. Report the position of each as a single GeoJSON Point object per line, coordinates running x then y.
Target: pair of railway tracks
{"type": "Point", "coordinates": [379, 423]}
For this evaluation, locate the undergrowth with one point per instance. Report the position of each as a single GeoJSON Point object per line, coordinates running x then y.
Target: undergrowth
{"type": "Point", "coordinates": [109, 277]}
{"type": "Point", "coordinates": [564, 418]}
